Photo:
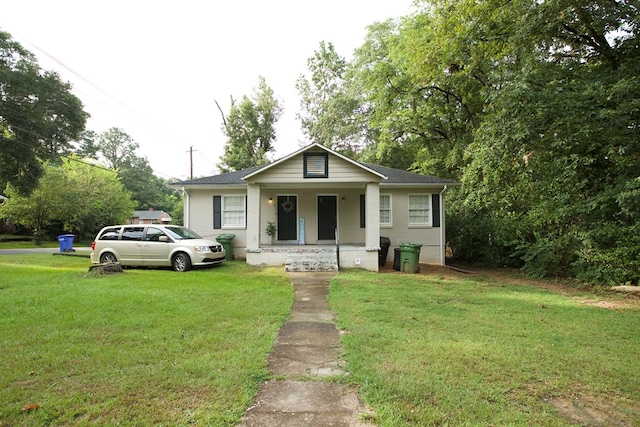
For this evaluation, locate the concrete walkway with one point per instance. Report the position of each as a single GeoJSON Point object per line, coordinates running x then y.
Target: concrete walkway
{"type": "Point", "coordinates": [306, 350]}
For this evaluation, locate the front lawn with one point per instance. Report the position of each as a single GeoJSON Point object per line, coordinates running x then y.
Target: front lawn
{"type": "Point", "coordinates": [154, 347]}
{"type": "Point", "coordinates": [146, 347]}
{"type": "Point", "coordinates": [484, 351]}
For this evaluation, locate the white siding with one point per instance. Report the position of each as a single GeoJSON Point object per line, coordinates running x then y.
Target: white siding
{"type": "Point", "coordinates": [200, 218]}
{"type": "Point", "coordinates": [291, 171]}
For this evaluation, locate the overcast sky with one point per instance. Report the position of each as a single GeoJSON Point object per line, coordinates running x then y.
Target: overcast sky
{"type": "Point", "coordinates": [154, 68]}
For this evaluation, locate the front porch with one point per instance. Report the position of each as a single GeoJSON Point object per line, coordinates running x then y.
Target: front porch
{"type": "Point", "coordinates": [315, 257]}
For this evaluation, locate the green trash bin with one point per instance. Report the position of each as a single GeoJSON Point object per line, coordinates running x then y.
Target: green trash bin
{"type": "Point", "coordinates": [226, 240]}
{"type": "Point", "coordinates": [410, 257]}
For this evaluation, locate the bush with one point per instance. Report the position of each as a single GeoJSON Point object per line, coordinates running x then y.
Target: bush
{"type": "Point", "coordinates": [476, 239]}
{"type": "Point", "coordinates": [550, 256]}
{"type": "Point", "coordinates": [610, 255]}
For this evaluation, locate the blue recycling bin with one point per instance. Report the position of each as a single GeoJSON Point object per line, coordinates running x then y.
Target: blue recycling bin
{"type": "Point", "coordinates": [66, 242]}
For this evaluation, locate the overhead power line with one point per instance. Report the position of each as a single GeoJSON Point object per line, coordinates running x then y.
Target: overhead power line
{"type": "Point", "coordinates": [150, 122]}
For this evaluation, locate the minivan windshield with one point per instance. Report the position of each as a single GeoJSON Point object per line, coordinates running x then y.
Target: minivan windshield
{"type": "Point", "coordinates": [180, 233]}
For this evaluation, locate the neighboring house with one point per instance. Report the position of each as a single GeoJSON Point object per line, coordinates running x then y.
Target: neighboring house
{"type": "Point", "coordinates": [150, 217]}
{"type": "Point", "coordinates": [318, 197]}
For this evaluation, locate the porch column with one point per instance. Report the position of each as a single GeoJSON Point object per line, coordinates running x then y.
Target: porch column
{"type": "Point", "coordinates": [186, 221]}
{"type": "Point", "coordinates": [253, 216]}
{"type": "Point", "coordinates": [372, 218]}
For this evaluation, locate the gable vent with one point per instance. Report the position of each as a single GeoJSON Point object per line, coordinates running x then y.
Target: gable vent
{"type": "Point", "coordinates": [316, 165]}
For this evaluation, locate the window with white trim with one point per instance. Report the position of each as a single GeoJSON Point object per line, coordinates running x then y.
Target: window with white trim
{"type": "Point", "coordinates": [420, 209]}
{"type": "Point", "coordinates": [385, 209]}
{"type": "Point", "coordinates": [233, 211]}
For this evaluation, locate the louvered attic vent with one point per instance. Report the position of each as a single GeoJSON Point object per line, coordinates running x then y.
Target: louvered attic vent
{"type": "Point", "coordinates": [316, 165]}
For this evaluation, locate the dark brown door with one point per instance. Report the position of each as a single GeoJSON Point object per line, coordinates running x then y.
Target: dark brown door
{"type": "Point", "coordinates": [327, 217]}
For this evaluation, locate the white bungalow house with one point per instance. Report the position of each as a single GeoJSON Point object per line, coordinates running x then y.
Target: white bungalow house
{"type": "Point", "coordinates": [320, 201]}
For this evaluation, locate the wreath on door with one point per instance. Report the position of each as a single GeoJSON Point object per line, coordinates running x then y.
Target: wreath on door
{"type": "Point", "coordinates": [287, 206]}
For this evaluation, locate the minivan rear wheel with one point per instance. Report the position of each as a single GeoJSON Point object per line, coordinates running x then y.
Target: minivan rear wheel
{"type": "Point", "coordinates": [181, 262]}
{"type": "Point", "coordinates": [107, 258]}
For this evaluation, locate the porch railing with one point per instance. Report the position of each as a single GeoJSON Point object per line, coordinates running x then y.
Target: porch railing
{"type": "Point", "coordinates": [337, 249]}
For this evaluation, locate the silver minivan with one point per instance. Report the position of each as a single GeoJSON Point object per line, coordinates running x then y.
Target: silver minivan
{"type": "Point", "coordinates": [155, 245]}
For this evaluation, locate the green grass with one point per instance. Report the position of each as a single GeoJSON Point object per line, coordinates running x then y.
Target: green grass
{"type": "Point", "coordinates": [9, 242]}
{"type": "Point", "coordinates": [154, 347]}
{"type": "Point", "coordinates": [146, 347]}
{"type": "Point", "coordinates": [479, 352]}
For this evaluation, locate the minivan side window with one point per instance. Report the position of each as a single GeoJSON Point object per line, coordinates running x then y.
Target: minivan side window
{"type": "Point", "coordinates": [132, 233]}
{"type": "Point", "coordinates": [153, 234]}
{"type": "Point", "coordinates": [111, 233]}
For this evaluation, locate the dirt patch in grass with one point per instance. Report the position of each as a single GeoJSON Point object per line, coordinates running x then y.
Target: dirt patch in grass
{"type": "Point", "coordinates": [589, 411]}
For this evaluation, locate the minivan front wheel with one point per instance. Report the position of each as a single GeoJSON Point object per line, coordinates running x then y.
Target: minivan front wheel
{"type": "Point", "coordinates": [181, 262]}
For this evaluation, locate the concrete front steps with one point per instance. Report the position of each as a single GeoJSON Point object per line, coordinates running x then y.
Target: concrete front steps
{"type": "Point", "coordinates": [312, 259]}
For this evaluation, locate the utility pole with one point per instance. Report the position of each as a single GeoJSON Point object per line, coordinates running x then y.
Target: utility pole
{"type": "Point", "coordinates": [191, 160]}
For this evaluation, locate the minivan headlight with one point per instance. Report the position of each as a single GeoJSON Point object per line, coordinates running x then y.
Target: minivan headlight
{"type": "Point", "coordinates": [201, 248]}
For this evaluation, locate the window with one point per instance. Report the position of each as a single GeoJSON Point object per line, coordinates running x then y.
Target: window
{"type": "Point", "coordinates": [229, 211]}
{"type": "Point", "coordinates": [385, 209]}
{"type": "Point", "coordinates": [112, 233]}
{"type": "Point", "coordinates": [132, 233]}
{"type": "Point", "coordinates": [420, 209]}
{"type": "Point", "coordinates": [153, 234]}
{"type": "Point", "coordinates": [316, 165]}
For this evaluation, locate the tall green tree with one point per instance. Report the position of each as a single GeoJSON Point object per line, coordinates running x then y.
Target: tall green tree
{"type": "Point", "coordinates": [535, 107]}
{"type": "Point", "coordinates": [328, 106]}
{"type": "Point", "coordinates": [73, 197]}
{"type": "Point", "coordinates": [99, 198]}
{"type": "Point", "coordinates": [117, 150]}
{"type": "Point", "coordinates": [558, 153]}
{"type": "Point", "coordinates": [43, 207]}
{"type": "Point", "coordinates": [39, 117]}
{"type": "Point", "coordinates": [557, 97]}
{"type": "Point", "coordinates": [250, 129]}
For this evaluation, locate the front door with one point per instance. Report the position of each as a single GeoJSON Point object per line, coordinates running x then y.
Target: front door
{"type": "Point", "coordinates": [287, 218]}
{"type": "Point", "coordinates": [327, 217]}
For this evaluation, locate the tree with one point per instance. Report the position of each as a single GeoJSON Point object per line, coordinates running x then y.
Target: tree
{"type": "Point", "coordinates": [43, 207]}
{"type": "Point", "coordinates": [86, 146]}
{"type": "Point", "coordinates": [329, 109]}
{"type": "Point", "coordinates": [556, 105]}
{"type": "Point", "coordinates": [116, 150]}
{"type": "Point", "coordinates": [534, 106]}
{"type": "Point", "coordinates": [39, 117]}
{"type": "Point", "coordinates": [250, 129]}
{"type": "Point", "coordinates": [148, 190]}
{"type": "Point", "coordinates": [98, 198]}
{"type": "Point", "coordinates": [74, 197]}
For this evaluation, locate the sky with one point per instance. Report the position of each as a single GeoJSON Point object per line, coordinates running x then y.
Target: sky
{"type": "Point", "coordinates": [155, 68]}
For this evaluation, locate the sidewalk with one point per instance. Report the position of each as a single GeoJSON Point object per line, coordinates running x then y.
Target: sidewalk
{"type": "Point", "coordinates": [306, 350]}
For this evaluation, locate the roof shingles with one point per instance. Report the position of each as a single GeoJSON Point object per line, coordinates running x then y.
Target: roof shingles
{"type": "Point", "coordinates": [394, 176]}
